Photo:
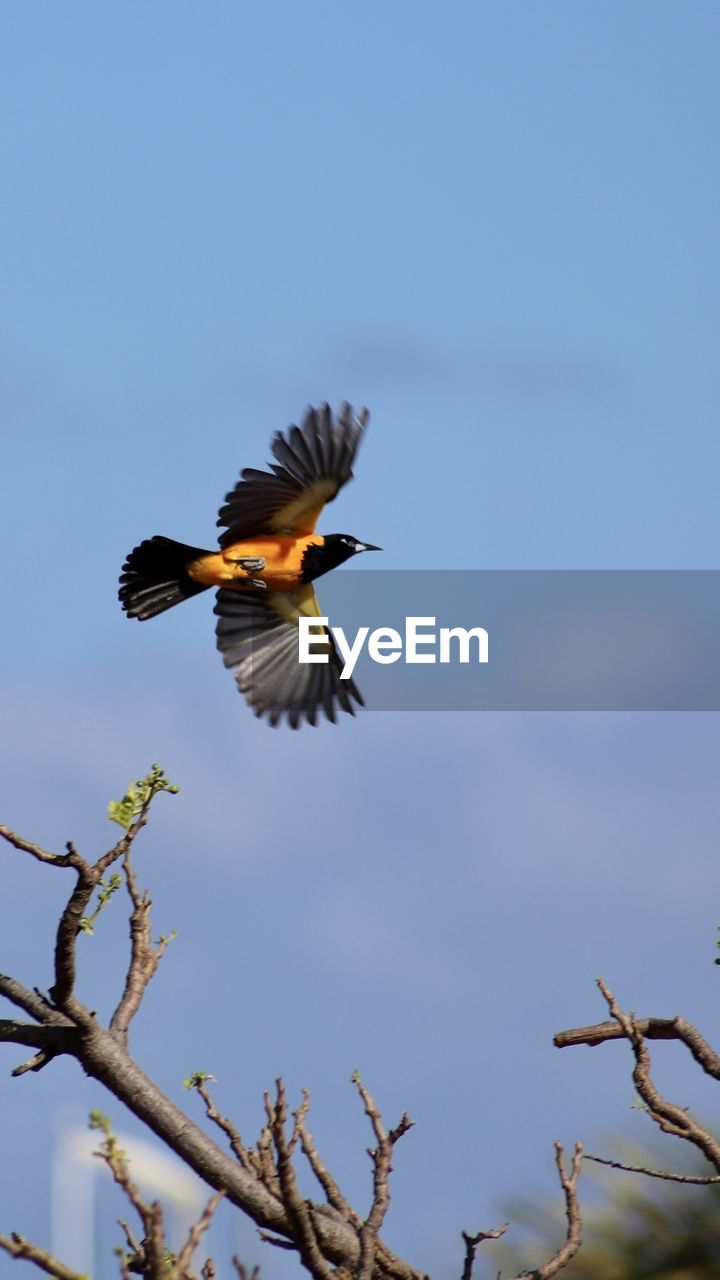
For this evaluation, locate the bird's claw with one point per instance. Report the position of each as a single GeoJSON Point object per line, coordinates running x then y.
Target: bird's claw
{"type": "Point", "coordinates": [251, 564]}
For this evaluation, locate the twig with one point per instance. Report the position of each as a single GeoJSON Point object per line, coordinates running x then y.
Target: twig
{"type": "Point", "coordinates": [65, 947]}
{"type": "Point", "coordinates": [144, 958]}
{"type": "Point", "coordinates": [35, 1063]}
{"type": "Point", "coordinates": [471, 1244]}
{"type": "Point", "coordinates": [381, 1157]}
{"type": "Point", "coordinates": [70, 922]}
{"type": "Point", "coordinates": [18, 1247]}
{"type": "Point", "coordinates": [295, 1207]}
{"type": "Point", "coordinates": [228, 1128]}
{"type": "Point", "coordinates": [68, 859]}
{"type": "Point", "coordinates": [277, 1241]}
{"type": "Point", "coordinates": [573, 1235]}
{"type": "Point", "coordinates": [196, 1233]}
{"type": "Point", "coordinates": [153, 1252]}
{"type": "Point", "coordinates": [132, 1242]}
{"type": "Point", "coordinates": [298, 1120]}
{"type": "Point", "coordinates": [262, 1157]}
{"type": "Point", "coordinates": [653, 1173]}
{"type": "Point", "coordinates": [114, 1158]}
{"type": "Point", "coordinates": [332, 1191]}
{"type": "Point", "coordinates": [31, 1002]}
{"type": "Point", "coordinates": [667, 1115]}
{"type": "Point", "coordinates": [135, 1262]}
{"type": "Point", "coordinates": [155, 1246]}
{"type": "Point", "coordinates": [49, 1041]}
{"type": "Point", "coordinates": [243, 1272]}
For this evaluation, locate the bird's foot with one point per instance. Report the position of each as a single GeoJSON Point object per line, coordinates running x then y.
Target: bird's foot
{"type": "Point", "coordinates": [251, 564]}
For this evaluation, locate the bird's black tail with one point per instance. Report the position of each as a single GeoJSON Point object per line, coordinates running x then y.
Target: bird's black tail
{"type": "Point", "coordinates": [154, 577]}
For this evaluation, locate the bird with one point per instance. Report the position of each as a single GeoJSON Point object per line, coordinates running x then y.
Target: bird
{"type": "Point", "coordinates": [268, 558]}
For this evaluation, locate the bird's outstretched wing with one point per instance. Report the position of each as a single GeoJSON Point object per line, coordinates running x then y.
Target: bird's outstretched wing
{"type": "Point", "coordinates": [313, 463]}
{"type": "Point", "coordinates": [257, 635]}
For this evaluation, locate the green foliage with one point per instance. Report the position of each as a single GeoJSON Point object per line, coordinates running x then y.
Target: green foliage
{"type": "Point", "coordinates": [138, 797]}
{"type": "Point", "coordinates": [98, 1120]}
{"type": "Point", "coordinates": [197, 1077]}
{"type": "Point", "coordinates": [106, 889]}
{"type": "Point", "coordinates": [109, 1149]}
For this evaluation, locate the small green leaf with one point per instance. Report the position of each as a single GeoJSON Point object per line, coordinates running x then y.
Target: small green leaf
{"type": "Point", "coordinates": [197, 1077]}
{"type": "Point", "coordinates": [138, 796]}
{"type": "Point", "coordinates": [106, 889]}
{"type": "Point", "coordinates": [97, 1120]}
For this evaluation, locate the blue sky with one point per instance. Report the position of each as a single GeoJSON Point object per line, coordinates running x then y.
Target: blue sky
{"type": "Point", "coordinates": [495, 225]}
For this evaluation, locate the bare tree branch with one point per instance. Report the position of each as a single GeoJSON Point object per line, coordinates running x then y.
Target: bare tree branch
{"type": "Point", "coordinates": [88, 877]}
{"type": "Point", "coordinates": [277, 1242]}
{"type": "Point", "coordinates": [31, 1002]}
{"type": "Point", "coordinates": [667, 1115]}
{"type": "Point", "coordinates": [381, 1157]}
{"type": "Point", "coordinates": [573, 1236]}
{"type": "Point", "coordinates": [68, 859]}
{"type": "Point", "coordinates": [114, 1158]}
{"type": "Point", "coordinates": [296, 1208]}
{"type": "Point", "coordinates": [653, 1173]}
{"type": "Point", "coordinates": [263, 1157]}
{"type": "Point", "coordinates": [471, 1244]}
{"type": "Point", "coordinates": [195, 1235]}
{"type": "Point", "coordinates": [35, 1063]}
{"type": "Point", "coordinates": [136, 1260]}
{"type": "Point", "coordinates": [144, 957]}
{"type": "Point", "coordinates": [49, 1041]}
{"type": "Point", "coordinates": [242, 1271]}
{"type": "Point", "coordinates": [336, 1202]}
{"type": "Point", "coordinates": [651, 1029]}
{"type": "Point", "coordinates": [18, 1247]}
{"type": "Point", "coordinates": [62, 1039]}
{"type": "Point", "coordinates": [228, 1128]}
{"type": "Point", "coordinates": [152, 1256]}
{"type": "Point", "coordinates": [333, 1194]}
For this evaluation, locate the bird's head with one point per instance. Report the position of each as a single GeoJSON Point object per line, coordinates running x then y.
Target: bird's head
{"type": "Point", "coordinates": [348, 545]}
{"type": "Point", "coordinates": [335, 549]}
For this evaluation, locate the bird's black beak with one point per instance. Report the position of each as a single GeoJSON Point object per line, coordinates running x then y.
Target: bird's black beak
{"type": "Point", "coordinates": [365, 546]}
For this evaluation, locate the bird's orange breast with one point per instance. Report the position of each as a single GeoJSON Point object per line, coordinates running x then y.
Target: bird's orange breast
{"type": "Point", "coordinates": [283, 556]}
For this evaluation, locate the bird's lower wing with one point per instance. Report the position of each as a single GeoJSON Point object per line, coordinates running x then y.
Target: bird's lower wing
{"type": "Point", "coordinates": [257, 635]}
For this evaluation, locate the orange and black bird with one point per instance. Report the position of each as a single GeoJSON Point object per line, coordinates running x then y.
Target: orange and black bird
{"type": "Point", "coordinates": [268, 559]}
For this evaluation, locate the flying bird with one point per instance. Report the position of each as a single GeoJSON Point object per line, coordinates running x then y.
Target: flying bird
{"type": "Point", "coordinates": [267, 562]}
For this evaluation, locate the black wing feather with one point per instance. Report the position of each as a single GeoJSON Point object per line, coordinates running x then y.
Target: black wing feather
{"type": "Point", "coordinates": [262, 647]}
{"type": "Point", "coordinates": [314, 461]}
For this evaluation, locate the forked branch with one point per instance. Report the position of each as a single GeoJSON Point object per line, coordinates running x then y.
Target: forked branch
{"type": "Point", "coordinates": [669, 1116]}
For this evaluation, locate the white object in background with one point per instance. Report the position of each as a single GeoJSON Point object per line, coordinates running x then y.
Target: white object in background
{"type": "Point", "coordinates": [75, 1168]}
